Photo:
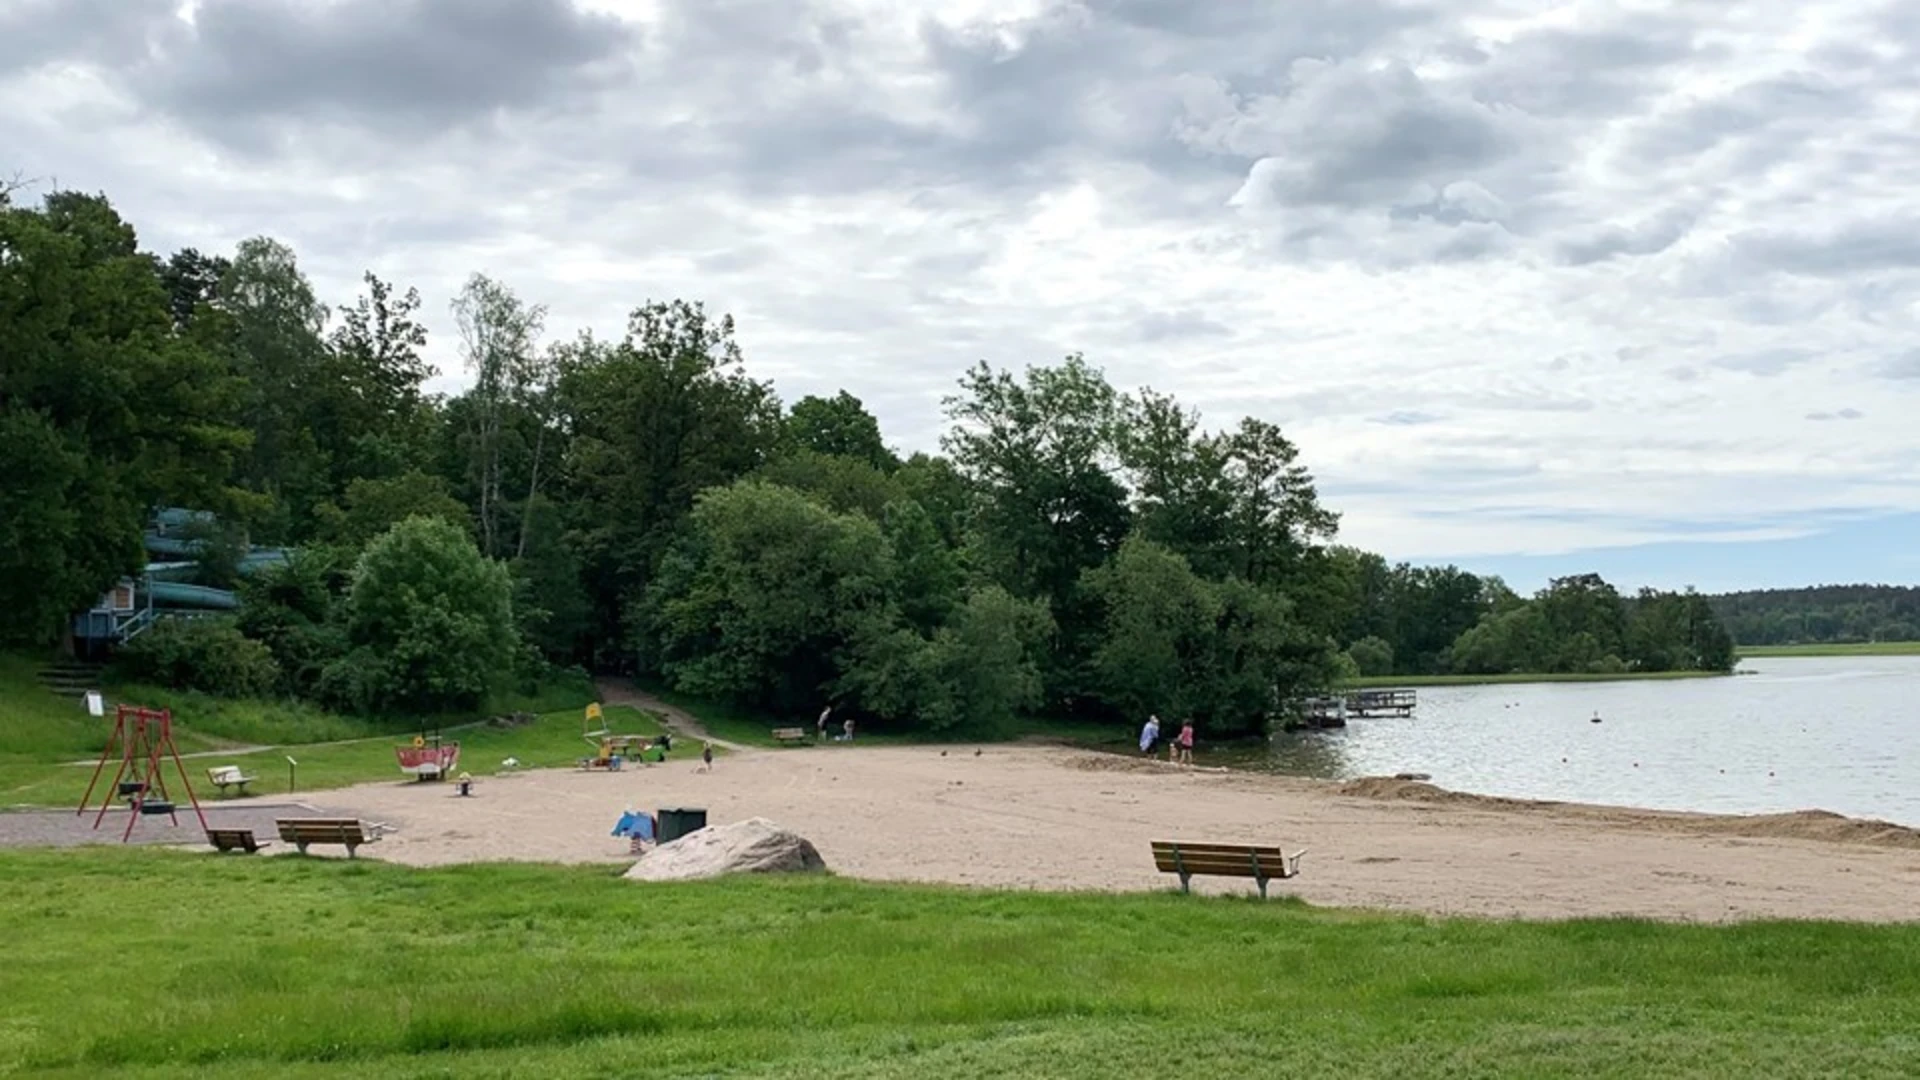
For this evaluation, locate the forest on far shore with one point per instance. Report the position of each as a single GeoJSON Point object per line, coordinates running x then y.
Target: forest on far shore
{"type": "Point", "coordinates": [645, 504]}
{"type": "Point", "coordinates": [1821, 614]}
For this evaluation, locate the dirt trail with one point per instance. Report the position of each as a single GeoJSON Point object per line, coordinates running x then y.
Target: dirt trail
{"type": "Point", "coordinates": [621, 692]}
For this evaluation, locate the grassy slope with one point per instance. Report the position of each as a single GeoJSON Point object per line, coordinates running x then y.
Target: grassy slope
{"type": "Point", "coordinates": [41, 732]}
{"type": "Point", "coordinates": [306, 967]}
{"type": "Point", "coordinates": [1864, 648]}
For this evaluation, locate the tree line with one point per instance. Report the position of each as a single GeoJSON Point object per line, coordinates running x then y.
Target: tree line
{"type": "Point", "coordinates": [1825, 614]}
{"type": "Point", "coordinates": [644, 504]}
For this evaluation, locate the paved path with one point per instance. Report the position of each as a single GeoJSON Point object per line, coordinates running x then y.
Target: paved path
{"type": "Point", "coordinates": [615, 691]}
{"type": "Point", "coordinates": [64, 828]}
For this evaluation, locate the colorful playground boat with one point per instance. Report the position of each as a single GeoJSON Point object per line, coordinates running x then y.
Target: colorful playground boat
{"type": "Point", "coordinates": [428, 762]}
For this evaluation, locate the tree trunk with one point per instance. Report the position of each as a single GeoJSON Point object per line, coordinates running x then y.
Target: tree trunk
{"type": "Point", "coordinates": [533, 488]}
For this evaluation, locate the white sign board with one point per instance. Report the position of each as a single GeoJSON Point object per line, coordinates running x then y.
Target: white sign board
{"type": "Point", "coordinates": [95, 706]}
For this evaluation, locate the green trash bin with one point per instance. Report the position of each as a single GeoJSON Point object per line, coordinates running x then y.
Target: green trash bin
{"type": "Point", "coordinates": [678, 821]}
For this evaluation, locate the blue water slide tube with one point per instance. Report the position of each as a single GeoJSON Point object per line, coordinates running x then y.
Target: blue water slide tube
{"type": "Point", "coordinates": [177, 594]}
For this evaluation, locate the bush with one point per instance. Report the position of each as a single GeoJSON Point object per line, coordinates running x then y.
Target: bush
{"type": "Point", "coordinates": [430, 621]}
{"type": "Point", "coordinates": [1372, 656]}
{"type": "Point", "coordinates": [208, 655]}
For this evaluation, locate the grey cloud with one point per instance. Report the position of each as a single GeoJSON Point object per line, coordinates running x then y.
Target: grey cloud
{"type": "Point", "coordinates": [245, 69]}
{"type": "Point", "coordinates": [1407, 418]}
{"type": "Point", "coordinates": [1765, 361]}
{"type": "Point", "coordinates": [1904, 366]}
{"type": "Point", "coordinates": [1843, 414]}
{"type": "Point", "coordinates": [1178, 325]}
{"type": "Point", "coordinates": [1458, 203]}
{"type": "Point", "coordinates": [1890, 244]}
{"type": "Point", "coordinates": [108, 32]}
{"type": "Point", "coordinates": [1582, 71]}
{"type": "Point", "coordinates": [1785, 106]}
{"type": "Point", "coordinates": [1648, 237]}
{"type": "Point", "coordinates": [1396, 133]}
{"type": "Point", "coordinates": [1683, 373]}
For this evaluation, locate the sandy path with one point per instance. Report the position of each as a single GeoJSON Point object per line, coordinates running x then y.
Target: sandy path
{"type": "Point", "coordinates": [681, 722]}
{"type": "Point", "coordinates": [1039, 817]}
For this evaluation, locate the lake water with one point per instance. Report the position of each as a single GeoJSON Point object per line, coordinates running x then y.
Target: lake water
{"type": "Point", "coordinates": [1828, 733]}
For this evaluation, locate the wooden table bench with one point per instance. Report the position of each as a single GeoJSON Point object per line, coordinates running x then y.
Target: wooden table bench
{"type": "Point", "coordinates": [303, 831]}
{"type": "Point", "coordinates": [226, 776]}
{"type": "Point", "coordinates": [229, 840]}
{"type": "Point", "coordinates": [787, 736]}
{"type": "Point", "coordinates": [1225, 860]}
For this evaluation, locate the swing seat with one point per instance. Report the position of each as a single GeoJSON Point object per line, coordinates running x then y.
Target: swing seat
{"type": "Point", "coordinates": [130, 788]}
{"type": "Point", "coordinates": [156, 808]}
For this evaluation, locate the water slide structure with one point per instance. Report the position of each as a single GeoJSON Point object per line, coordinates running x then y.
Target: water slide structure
{"type": "Point", "coordinates": [164, 589]}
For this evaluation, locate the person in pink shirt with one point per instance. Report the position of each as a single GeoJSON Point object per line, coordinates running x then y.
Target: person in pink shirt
{"type": "Point", "coordinates": [1184, 741]}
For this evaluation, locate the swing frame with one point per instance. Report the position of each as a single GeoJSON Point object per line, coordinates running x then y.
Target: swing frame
{"type": "Point", "coordinates": [143, 740]}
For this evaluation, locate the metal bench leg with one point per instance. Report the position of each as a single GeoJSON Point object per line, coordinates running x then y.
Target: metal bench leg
{"type": "Point", "coordinates": [351, 848]}
{"type": "Point", "coordinates": [302, 845]}
{"type": "Point", "coordinates": [1184, 879]}
{"type": "Point", "coordinates": [1262, 882]}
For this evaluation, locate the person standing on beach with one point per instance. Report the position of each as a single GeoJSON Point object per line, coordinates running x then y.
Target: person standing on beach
{"type": "Point", "coordinates": [1150, 736]}
{"type": "Point", "coordinates": [820, 725]}
{"type": "Point", "coordinates": [706, 757]}
{"type": "Point", "coordinates": [1185, 742]}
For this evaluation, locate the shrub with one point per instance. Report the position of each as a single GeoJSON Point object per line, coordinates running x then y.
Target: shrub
{"type": "Point", "coordinates": [208, 655]}
{"type": "Point", "coordinates": [430, 621]}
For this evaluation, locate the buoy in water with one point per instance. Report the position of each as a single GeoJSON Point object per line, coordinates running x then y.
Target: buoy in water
{"type": "Point", "coordinates": [1595, 720]}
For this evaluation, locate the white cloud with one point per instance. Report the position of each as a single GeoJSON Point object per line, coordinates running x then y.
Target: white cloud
{"type": "Point", "coordinates": [1517, 278]}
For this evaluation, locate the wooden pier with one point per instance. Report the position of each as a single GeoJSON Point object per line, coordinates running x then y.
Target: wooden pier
{"type": "Point", "coordinates": [1333, 711]}
{"type": "Point", "coordinates": [1319, 713]}
{"type": "Point", "coordinates": [1368, 704]}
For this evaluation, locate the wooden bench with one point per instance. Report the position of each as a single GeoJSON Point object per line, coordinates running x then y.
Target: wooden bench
{"type": "Point", "coordinates": [226, 776]}
{"type": "Point", "coordinates": [303, 831]}
{"type": "Point", "coordinates": [228, 840]}
{"type": "Point", "coordinates": [787, 736]}
{"type": "Point", "coordinates": [1225, 860]}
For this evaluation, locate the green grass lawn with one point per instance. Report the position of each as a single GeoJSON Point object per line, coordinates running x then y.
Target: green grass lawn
{"type": "Point", "coordinates": [1384, 681]}
{"type": "Point", "coordinates": [42, 734]}
{"type": "Point", "coordinates": [296, 967]}
{"type": "Point", "coordinates": [553, 739]}
{"type": "Point", "coordinates": [1858, 648]}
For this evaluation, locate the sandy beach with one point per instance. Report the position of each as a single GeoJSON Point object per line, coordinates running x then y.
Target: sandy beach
{"type": "Point", "coordinates": [1054, 818]}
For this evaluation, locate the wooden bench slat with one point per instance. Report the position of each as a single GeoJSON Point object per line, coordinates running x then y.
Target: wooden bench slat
{"type": "Point", "coordinates": [304, 831]}
{"type": "Point", "coordinates": [1223, 864]}
{"type": "Point", "coordinates": [1217, 849]}
{"type": "Point", "coordinates": [1225, 860]}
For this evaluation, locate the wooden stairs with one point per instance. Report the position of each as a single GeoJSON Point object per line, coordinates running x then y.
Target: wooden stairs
{"type": "Point", "coordinates": [71, 678]}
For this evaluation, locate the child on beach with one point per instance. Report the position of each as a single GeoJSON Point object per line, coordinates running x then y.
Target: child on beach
{"type": "Point", "coordinates": [706, 757]}
{"type": "Point", "coordinates": [1185, 741]}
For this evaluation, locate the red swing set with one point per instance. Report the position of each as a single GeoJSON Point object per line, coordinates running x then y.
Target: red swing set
{"type": "Point", "coordinates": [143, 738]}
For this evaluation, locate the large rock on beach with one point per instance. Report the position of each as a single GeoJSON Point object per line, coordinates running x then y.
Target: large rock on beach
{"type": "Point", "coordinates": [753, 846]}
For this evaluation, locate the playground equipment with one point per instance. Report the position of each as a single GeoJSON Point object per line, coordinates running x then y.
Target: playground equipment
{"type": "Point", "coordinates": [143, 739]}
{"type": "Point", "coordinates": [424, 761]}
{"type": "Point", "coordinates": [133, 604]}
{"type": "Point", "coordinates": [611, 750]}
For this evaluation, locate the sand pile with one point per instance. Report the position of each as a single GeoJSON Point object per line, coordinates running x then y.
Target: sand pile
{"type": "Point", "coordinates": [753, 846]}
{"type": "Point", "coordinates": [1821, 825]}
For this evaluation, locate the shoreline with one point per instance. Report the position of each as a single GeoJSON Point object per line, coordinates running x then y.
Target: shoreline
{"type": "Point", "coordinates": [1521, 678]}
{"type": "Point", "coordinates": [1060, 819]}
{"type": "Point", "coordinates": [1829, 649]}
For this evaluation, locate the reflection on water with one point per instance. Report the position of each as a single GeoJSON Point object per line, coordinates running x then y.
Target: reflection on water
{"type": "Point", "coordinates": [1830, 733]}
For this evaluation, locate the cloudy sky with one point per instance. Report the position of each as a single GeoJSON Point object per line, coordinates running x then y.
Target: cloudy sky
{"type": "Point", "coordinates": [1538, 287]}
